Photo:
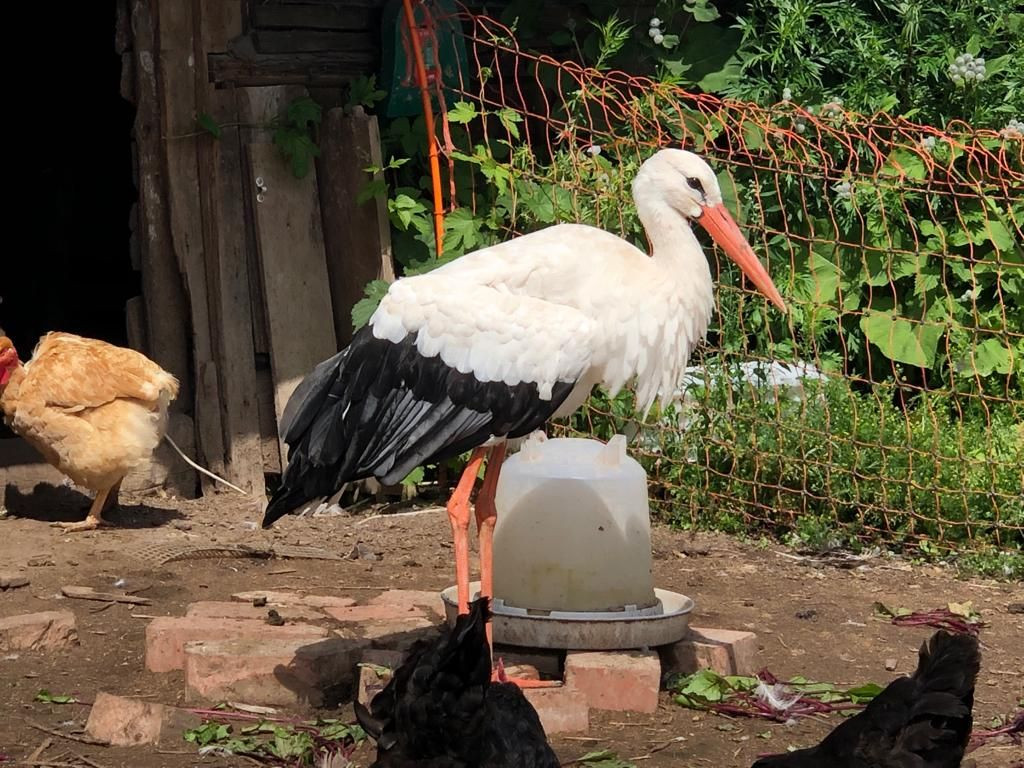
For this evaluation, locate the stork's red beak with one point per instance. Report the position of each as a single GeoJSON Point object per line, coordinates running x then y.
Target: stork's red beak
{"type": "Point", "coordinates": [721, 226]}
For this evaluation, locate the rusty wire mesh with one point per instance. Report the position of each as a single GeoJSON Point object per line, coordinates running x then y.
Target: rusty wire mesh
{"type": "Point", "coordinates": [888, 405]}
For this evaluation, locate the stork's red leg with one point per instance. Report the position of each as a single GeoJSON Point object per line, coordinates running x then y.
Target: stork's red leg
{"type": "Point", "coordinates": [486, 517]}
{"type": "Point", "coordinates": [458, 516]}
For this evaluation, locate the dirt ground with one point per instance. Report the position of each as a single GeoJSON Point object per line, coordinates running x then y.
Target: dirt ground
{"type": "Point", "coordinates": [812, 621]}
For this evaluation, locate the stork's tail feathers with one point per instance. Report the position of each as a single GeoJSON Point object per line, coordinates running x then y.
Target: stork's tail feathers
{"type": "Point", "coordinates": [284, 500]}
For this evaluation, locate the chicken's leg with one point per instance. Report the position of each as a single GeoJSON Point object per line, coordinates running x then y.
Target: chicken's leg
{"type": "Point", "coordinates": [111, 501]}
{"type": "Point", "coordinates": [458, 516]}
{"type": "Point", "coordinates": [95, 517]}
{"type": "Point", "coordinates": [486, 517]}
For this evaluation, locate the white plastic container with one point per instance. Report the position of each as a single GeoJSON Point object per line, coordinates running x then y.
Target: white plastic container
{"type": "Point", "coordinates": [573, 530]}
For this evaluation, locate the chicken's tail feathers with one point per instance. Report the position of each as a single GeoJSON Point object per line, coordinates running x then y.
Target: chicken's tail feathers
{"type": "Point", "coordinates": [198, 468]}
{"type": "Point", "coordinates": [949, 663]}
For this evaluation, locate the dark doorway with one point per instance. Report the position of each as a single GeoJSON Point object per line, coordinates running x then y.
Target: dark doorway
{"type": "Point", "coordinates": [67, 264]}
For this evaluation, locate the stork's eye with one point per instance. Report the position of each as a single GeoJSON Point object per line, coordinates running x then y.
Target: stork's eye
{"type": "Point", "coordinates": [694, 183]}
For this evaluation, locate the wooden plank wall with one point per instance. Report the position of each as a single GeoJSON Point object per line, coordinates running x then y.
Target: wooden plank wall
{"type": "Point", "coordinates": [240, 297]}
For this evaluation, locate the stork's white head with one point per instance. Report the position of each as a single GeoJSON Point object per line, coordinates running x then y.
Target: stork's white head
{"type": "Point", "coordinates": [679, 178]}
{"type": "Point", "coordinates": [684, 183]}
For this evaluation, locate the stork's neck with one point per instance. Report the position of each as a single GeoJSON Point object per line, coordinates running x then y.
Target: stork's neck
{"type": "Point", "coordinates": [674, 247]}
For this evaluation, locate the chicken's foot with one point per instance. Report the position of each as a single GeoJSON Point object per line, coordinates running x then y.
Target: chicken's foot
{"type": "Point", "coordinates": [95, 517]}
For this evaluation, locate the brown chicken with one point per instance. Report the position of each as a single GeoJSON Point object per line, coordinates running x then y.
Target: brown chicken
{"type": "Point", "coordinates": [95, 411]}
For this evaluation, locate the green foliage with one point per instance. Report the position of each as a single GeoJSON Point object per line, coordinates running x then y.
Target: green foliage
{"type": "Point", "coordinates": [304, 744]}
{"type": "Point", "coordinates": [209, 124]}
{"type": "Point", "coordinates": [51, 698]}
{"type": "Point", "coordinates": [296, 132]}
{"type": "Point", "coordinates": [366, 306]}
{"type": "Point", "coordinates": [884, 57]}
{"type": "Point", "coordinates": [835, 460]}
{"type": "Point", "coordinates": [908, 280]}
{"type": "Point", "coordinates": [363, 92]}
{"type": "Point", "coordinates": [603, 758]}
{"type": "Point", "coordinates": [706, 688]}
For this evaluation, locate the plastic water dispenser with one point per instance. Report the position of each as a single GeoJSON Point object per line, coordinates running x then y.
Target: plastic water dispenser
{"type": "Point", "coordinates": [573, 531]}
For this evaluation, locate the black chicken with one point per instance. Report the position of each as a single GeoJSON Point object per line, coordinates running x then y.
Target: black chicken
{"type": "Point", "coordinates": [923, 721]}
{"type": "Point", "coordinates": [441, 710]}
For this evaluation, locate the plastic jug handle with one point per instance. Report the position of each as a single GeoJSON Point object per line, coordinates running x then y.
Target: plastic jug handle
{"type": "Point", "coordinates": [613, 452]}
{"type": "Point", "coordinates": [530, 449]}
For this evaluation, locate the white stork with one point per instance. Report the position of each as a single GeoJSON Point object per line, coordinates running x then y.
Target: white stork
{"type": "Point", "coordinates": [491, 346]}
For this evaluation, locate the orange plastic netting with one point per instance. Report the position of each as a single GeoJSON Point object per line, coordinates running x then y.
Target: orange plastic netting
{"type": "Point", "coordinates": [888, 405]}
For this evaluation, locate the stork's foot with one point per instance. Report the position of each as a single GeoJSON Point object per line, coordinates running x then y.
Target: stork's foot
{"type": "Point", "coordinates": [499, 676]}
{"type": "Point", "coordinates": [89, 524]}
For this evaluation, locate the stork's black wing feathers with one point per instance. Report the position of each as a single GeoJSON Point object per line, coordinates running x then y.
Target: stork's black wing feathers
{"type": "Point", "coordinates": [381, 409]}
{"type": "Point", "coordinates": [923, 721]}
{"type": "Point", "coordinates": [440, 709]}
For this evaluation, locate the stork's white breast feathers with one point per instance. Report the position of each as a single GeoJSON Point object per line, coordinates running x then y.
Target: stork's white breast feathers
{"type": "Point", "coordinates": [491, 334]}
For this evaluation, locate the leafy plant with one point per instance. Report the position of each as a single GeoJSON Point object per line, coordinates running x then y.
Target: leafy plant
{"type": "Point", "coordinates": [296, 129]}
{"type": "Point", "coordinates": [766, 697]}
{"type": "Point", "coordinates": [603, 758]}
{"type": "Point", "coordinates": [900, 259]}
{"type": "Point", "coordinates": [50, 698]}
{"type": "Point", "coordinates": [296, 134]}
{"type": "Point", "coordinates": [363, 92]}
{"type": "Point", "coordinates": [301, 744]}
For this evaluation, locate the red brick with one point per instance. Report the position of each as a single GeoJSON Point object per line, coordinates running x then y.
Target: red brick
{"type": "Point", "coordinates": [127, 722]}
{"type": "Point", "coordinates": [327, 601]}
{"type": "Point", "coordinates": [379, 612]}
{"type": "Point", "coordinates": [208, 609]}
{"type": "Point", "coordinates": [45, 631]}
{"type": "Point", "coordinates": [625, 681]}
{"type": "Point", "coordinates": [397, 634]}
{"type": "Point", "coordinates": [561, 710]}
{"type": "Point", "coordinates": [725, 651]}
{"type": "Point", "coordinates": [166, 636]}
{"type": "Point", "coordinates": [278, 599]}
{"type": "Point", "coordinates": [411, 599]}
{"type": "Point", "coordinates": [269, 671]}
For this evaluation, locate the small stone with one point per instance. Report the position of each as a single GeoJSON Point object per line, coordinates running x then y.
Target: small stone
{"type": "Point", "coordinates": [362, 552]}
{"type": "Point", "coordinates": [372, 679]}
{"type": "Point", "coordinates": [259, 602]}
{"type": "Point", "coordinates": [45, 631]}
{"type": "Point", "coordinates": [274, 618]}
{"type": "Point", "coordinates": [12, 580]}
{"type": "Point", "coordinates": [1015, 608]}
{"type": "Point", "coordinates": [40, 561]}
{"type": "Point", "coordinates": [807, 615]}
{"type": "Point", "coordinates": [181, 525]}
{"type": "Point", "coordinates": [890, 665]}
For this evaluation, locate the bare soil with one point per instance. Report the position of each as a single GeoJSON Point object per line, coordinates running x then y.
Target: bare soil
{"type": "Point", "coordinates": [811, 621]}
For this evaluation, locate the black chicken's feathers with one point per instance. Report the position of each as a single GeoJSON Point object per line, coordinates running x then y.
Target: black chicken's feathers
{"type": "Point", "coordinates": [923, 721]}
{"type": "Point", "coordinates": [441, 710]}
